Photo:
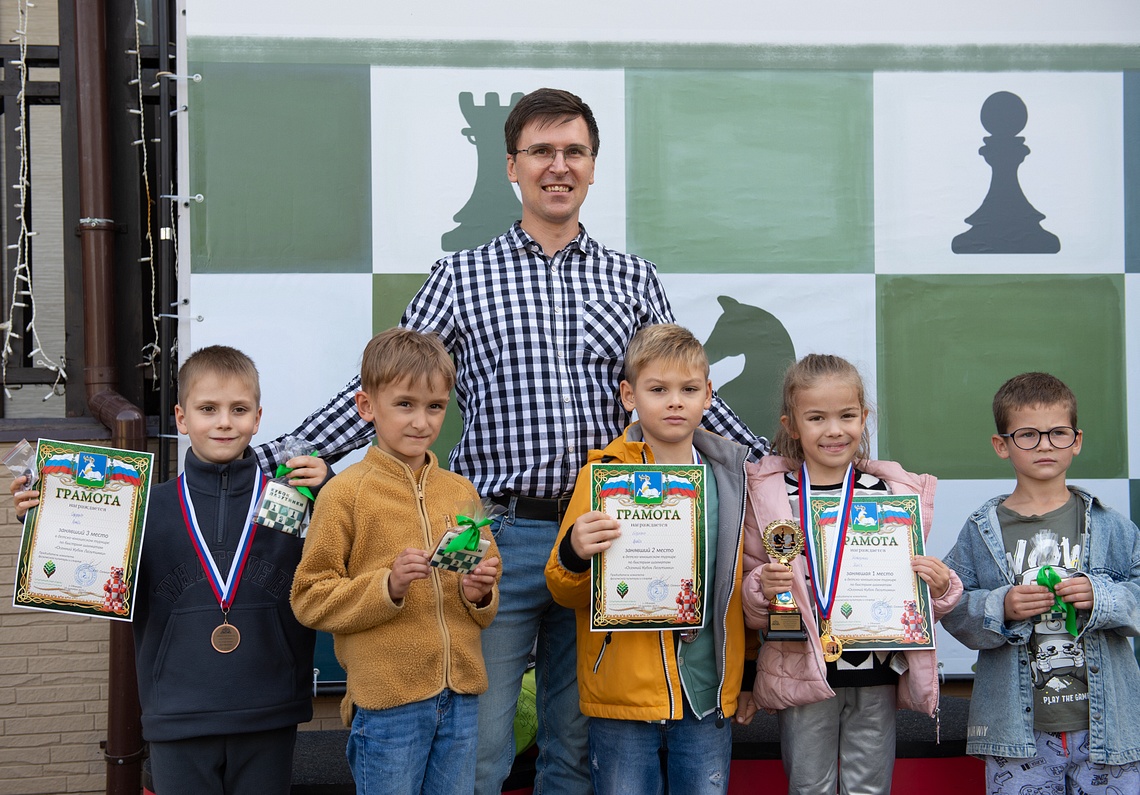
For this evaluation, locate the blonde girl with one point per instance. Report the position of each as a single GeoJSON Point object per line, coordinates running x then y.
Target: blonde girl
{"type": "Point", "coordinates": [837, 718]}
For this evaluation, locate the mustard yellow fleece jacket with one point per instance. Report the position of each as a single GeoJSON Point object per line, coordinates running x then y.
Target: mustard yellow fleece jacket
{"type": "Point", "coordinates": [393, 654]}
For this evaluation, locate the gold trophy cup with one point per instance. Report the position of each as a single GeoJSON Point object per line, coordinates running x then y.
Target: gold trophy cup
{"type": "Point", "coordinates": [784, 540]}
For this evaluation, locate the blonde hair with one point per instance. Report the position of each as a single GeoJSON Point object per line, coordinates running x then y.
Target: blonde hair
{"type": "Point", "coordinates": [805, 374]}
{"type": "Point", "coordinates": [219, 360]}
{"type": "Point", "coordinates": [1032, 389]}
{"type": "Point", "coordinates": [668, 344]}
{"type": "Point", "coordinates": [400, 353]}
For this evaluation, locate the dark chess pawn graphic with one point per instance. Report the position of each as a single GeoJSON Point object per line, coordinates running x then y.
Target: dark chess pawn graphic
{"type": "Point", "coordinates": [1006, 223]}
{"type": "Point", "coordinates": [493, 205]}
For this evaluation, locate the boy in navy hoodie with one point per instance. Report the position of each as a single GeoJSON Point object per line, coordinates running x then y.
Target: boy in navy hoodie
{"type": "Point", "coordinates": [224, 669]}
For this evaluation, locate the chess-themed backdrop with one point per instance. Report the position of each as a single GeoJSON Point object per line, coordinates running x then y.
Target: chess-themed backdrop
{"type": "Point", "coordinates": [942, 202]}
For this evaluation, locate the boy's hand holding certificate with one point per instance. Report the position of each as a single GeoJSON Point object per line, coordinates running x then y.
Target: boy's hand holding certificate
{"type": "Point", "coordinates": [653, 575]}
{"type": "Point", "coordinates": [81, 544]}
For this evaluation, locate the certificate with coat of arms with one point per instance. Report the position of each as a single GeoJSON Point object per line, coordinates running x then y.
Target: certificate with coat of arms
{"type": "Point", "coordinates": [81, 545]}
{"type": "Point", "coordinates": [653, 576]}
{"type": "Point", "coordinates": [880, 603]}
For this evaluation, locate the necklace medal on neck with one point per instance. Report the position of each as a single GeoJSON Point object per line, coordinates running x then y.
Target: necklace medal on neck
{"type": "Point", "coordinates": [225, 637]}
{"type": "Point", "coordinates": [824, 583]}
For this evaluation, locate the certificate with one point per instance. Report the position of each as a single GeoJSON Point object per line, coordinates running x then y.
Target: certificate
{"type": "Point", "coordinates": [653, 576]}
{"type": "Point", "coordinates": [880, 603]}
{"type": "Point", "coordinates": [81, 545]}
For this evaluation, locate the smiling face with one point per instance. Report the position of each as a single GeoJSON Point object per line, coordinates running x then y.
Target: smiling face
{"type": "Point", "coordinates": [828, 421]}
{"type": "Point", "coordinates": [407, 416]}
{"type": "Point", "coordinates": [1045, 464]}
{"type": "Point", "coordinates": [220, 414]}
{"type": "Point", "coordinates": [552, 191]}
{"type": "Point", "coordinates": [670, 402]}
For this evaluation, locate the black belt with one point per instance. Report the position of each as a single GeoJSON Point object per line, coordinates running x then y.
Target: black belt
{"type": "Point", "coordinates": [544, 510]}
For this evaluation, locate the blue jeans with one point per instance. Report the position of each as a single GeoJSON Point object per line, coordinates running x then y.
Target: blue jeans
{"type": "Point", "coordinates": [624, 756]}
{"type": "Point", "coordinates": [526, 612]}
{"type": "Point", "coordinates": [424, 747]}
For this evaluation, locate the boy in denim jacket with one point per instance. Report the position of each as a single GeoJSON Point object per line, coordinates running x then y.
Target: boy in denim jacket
{"type": "Point", "coordinates": [1052, 592]}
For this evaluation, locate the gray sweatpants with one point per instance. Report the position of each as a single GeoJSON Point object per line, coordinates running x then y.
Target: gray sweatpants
{"type": "Point", "coordinates": [847, 740]}
{"type": "Point", "coordinates": [1061, 766]}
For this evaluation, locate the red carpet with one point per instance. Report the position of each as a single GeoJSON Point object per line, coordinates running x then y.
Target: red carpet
{"type": "Point", "coordinates": [954, 775]}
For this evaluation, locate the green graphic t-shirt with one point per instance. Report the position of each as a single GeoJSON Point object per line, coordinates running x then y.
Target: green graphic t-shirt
{"type": "Point", "coordinates": [1057, 659]}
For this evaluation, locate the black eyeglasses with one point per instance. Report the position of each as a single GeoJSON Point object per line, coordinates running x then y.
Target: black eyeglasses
{"type": "Point", "coordinates": [575, 153]}
{"type": "Point", "coordinates": [1060, 437]}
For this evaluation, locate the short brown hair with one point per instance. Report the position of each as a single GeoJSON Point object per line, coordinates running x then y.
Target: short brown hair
{"type": "Point", "coordinates": [220, 360]}
{"type": "Point", "coordinates": [400, 353]}
{"type": "Point", "coordinates": [805, 374]}
{"type": "Point", "coordinates": [548, 105]}
{"type": "Point", "coordinates": [1032, 389]}
{"type": "Point", "coordinates": [668, 344]}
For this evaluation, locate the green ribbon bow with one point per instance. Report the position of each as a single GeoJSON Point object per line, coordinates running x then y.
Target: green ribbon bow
{"type": "Point", "coordinates": [469, 538]}
{"type": "Point", "coordinates": [1049, 578]}
{"type": "Point", "coordinates": [283, 470]}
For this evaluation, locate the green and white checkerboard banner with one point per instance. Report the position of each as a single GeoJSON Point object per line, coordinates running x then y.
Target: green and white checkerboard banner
{"type": "Point", "coordinates": [794, 199]}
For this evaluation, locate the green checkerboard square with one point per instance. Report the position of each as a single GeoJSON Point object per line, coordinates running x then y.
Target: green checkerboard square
{"type": "Point", "coordinates": [750, 171]}
{"type": "Point", "coordinates": [281, 153]}
{"type": "Point", "coordinates": [391, 293]}
{"type": "Point", "coordinates": [946, 343]}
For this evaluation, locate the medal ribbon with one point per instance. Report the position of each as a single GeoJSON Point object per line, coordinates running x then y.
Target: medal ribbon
{"type": "Point", "coordinates": [825, 591]}
{"type": "Point", "coordinates": [224, 589]}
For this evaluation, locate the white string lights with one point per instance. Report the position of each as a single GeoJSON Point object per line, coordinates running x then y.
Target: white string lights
{"type": "Point", "coordinates": [22, 297]}
{"type": "Point", "coordinates": [151, 351]}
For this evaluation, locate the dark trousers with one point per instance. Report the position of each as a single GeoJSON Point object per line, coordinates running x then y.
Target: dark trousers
{"type": "Point", "coordinates": [253, 763]}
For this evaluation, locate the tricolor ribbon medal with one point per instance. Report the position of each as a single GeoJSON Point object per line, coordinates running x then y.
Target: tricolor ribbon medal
{"type": "Point", "coordinates": [225, 638]}
{"type": "Point", "coordinates": [469, 538]}
{"type": "Point", "coordinates": [823, 582]}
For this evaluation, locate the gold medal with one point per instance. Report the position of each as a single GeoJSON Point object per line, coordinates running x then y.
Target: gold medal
{"type": "Point", "coordinates": [225, 638]}
{"type": "Point", "coordinates": [831, 645]}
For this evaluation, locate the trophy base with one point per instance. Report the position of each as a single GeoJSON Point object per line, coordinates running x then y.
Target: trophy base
{"type": "Point", "coordinates": [785, 627]}
{"type": "Point", "coordinates": [785, 635]}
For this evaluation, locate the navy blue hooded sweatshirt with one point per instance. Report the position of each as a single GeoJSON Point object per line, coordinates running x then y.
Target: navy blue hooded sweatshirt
{"type": "Point", "coordinates": [188, 689]}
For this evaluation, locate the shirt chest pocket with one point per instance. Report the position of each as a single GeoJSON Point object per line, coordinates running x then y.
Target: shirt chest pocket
{"type": "Point", "coordinates": [606, 326]}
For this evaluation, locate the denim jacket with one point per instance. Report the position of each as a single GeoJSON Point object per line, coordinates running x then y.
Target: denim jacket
{"type": "Point", "coordinates": [1001, 709]}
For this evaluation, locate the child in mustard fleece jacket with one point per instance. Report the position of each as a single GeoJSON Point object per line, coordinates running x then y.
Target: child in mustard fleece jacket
{"type": "Point", "coordinates": [406, 633]}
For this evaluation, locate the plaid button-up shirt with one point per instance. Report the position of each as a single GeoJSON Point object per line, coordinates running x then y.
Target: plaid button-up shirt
{"type": "Point", "coordinates": [539, 345]}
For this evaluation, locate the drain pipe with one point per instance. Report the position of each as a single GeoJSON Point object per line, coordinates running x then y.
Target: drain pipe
{"type": "Point", "coordinates": [124, 746]}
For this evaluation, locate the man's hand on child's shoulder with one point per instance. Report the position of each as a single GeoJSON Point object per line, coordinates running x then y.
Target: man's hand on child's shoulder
{"type": "Point", "coordinates": [308, 470]}
{"type": "Point", "coordinates": [1077, 591]}
{"type": "Point", "coordinates": [1027, 601]}
{"type": "Point", "coordinates": [478, 584]}
{"type": "Point", "coordinates": [23, 500]}
{"type": "Point", "coordinates": [592, 533]}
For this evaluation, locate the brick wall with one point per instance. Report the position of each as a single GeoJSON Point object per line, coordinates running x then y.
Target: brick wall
{"type": "Point", "coordinates": [53, 686]}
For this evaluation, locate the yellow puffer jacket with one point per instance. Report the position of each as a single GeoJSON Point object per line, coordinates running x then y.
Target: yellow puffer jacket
{"type": "Point", "coordinates": [634, 675]}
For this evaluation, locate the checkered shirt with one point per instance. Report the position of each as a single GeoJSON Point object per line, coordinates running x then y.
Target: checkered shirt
{"type": "Point", "coordinates": [539, 345]}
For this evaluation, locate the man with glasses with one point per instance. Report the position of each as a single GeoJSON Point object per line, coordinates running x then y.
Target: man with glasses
{"type": "Point", "coordinates": [538, 321]}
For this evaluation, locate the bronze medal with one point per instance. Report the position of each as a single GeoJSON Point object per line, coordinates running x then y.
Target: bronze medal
{"type": "Point", "coordinates": [225, 638]}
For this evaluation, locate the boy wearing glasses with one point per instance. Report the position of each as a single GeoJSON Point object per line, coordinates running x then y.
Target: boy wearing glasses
{"type": "Point", "coordinates": [1052, 592]}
